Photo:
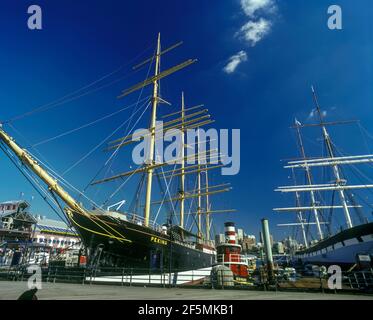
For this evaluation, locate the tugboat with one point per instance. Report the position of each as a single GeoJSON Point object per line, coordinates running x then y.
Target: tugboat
{"type": "Point", "coordinates": [229, 254]}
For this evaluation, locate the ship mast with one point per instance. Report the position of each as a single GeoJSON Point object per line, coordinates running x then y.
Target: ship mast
{"type": "Point", "coordinates": [150, 164]}
{"type": "Point", "coordinates": [329, 160]}
{"type": "Point", "coordinates": [182, 177]}
{"type": "Point", "coordinates": [335, 167]}
{"type": "Point", "coordinates": [188, 118]}
{"type": "Point", "coordinates": [207, 206]}
{"type": "Point", "coordinates": [150, 169]}
{"type": "Point", "coordinates": [309, 180]}
{"type": "Point", "coordinates": [199, 208]}
{"type": "Point", "coordinates": [300, 215]}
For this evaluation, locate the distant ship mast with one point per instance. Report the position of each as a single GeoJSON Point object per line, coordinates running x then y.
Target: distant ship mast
{"type": "Point", "coordinates": [309, 181]}
{"type": "Point", "coordinates": [337, 174]}
{"type": "Point", "coordinates": [182, 164]}
{"type": "Point", "coordinates": [338, 185]}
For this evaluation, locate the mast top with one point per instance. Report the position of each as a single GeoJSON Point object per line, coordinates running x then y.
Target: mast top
{"type": "Point", "coordinates": [158, 76]}
{"type": "Point", "coordinates": [321, 118]}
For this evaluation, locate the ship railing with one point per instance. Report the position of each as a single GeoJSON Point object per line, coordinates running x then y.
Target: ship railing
{"type": "Point", "coordinates": [135, 218]}
{"type": "Point", "coordinates": [186, 244]}
{"type": "Point", "coordinates": [232, 258]}
{"type": "Point", "coordinates": [361, 280]}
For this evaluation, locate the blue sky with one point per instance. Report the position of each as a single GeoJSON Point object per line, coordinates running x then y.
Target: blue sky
{"type": "Point", "coordinates": [83, 40]}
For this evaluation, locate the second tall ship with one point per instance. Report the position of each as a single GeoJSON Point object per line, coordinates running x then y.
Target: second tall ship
{"type": "Point", "coordinates": [320, 203]}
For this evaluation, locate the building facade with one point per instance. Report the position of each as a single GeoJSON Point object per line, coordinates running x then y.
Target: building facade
{"type": "Point", "coordinates": [55, 234]}
{"type": "Point", "coordinates": [25, 238]}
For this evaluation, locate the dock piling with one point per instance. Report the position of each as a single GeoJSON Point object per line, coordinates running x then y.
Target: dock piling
{"type": "Point", "coordinates": [268, 249]}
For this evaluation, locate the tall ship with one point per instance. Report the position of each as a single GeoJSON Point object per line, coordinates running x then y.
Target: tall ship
{"type": "Point", "coordinates": [133, 238]}
{"type": "Point", "coordinates": [323, 195]}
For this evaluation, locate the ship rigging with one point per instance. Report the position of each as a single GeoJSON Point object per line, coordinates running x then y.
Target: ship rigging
{"type": "Point", "coordinates": [131, 238]}
{"type": "Point", "coordinates": [342, 244]}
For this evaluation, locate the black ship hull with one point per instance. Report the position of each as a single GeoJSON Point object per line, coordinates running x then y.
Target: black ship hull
{"type": "Point", "coordinates": [113, 242]}
{"type": "Point", "coordinates": [342, 248]}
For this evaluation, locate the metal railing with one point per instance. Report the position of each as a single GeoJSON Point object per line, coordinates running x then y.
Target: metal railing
{"type": "Point", "coordinates": [118, 276]}
{"type": "Point", "coordinates": [233, 257]}
{"type": "Point", "coordinates": [140, 220]}
{"type": "Point", "coordinates": [359, 281]}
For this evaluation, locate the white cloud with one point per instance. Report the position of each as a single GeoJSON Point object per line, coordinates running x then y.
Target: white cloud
{"type": "Point", "coordinates": [254, 31]}
{"type": "Point", "coordinates": [234, 61]}
{"type": "Point", "coordinates": [259, 14]}
{"type": "Point", "coordinates": [313, 114]}
{"type": "Point", "coordinates": [250, 7]}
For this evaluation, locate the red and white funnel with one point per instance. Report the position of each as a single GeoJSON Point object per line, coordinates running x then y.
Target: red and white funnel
{"type": "Point", "coordinates": [230, 232]}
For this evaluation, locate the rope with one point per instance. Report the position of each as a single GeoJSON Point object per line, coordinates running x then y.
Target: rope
{"type": "Point", "coordinates": [134, 205]}
{"type": "Point", "coordinates": [167, 191]}
{"type": "Point", "coordinates": [41, 189]}
{"type": "Point", "coordinates": [118, 189]}
{"type": "Point", "coordinates": [365, 131]}
{"type": "Point", "coordinates": [29, 144]}
{"type": "Point", "coordinates": [57, 177]}
{"type": "Point", "coordinates": [109, 234]}
{"type": "Point", "coordinates": [190, 206]}
{"type": "Point", "coordinates": [121, 186]}
{"type": "Point", "coordinates": [362, 130]}
{"type": "Point", "coordinates": [67, 98]}
{"type": "Point", "coordinates": [85, 125]}
{"type": "Point", "coordinates": [29, 179]}
{"type": "Point", "coordinates": [329, 226]}
{"type": "Point", "coordinates": [127, 132]}
{"type": "Point", "coordinates": [97, 146]}
{"type": "Point", "coordinates": [112, 155]}
{"type": "Point", "coordinates": [69, 185]}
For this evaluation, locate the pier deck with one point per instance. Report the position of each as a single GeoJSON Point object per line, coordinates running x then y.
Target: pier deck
{"type": "Point", "coordinates": [10, 290]}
